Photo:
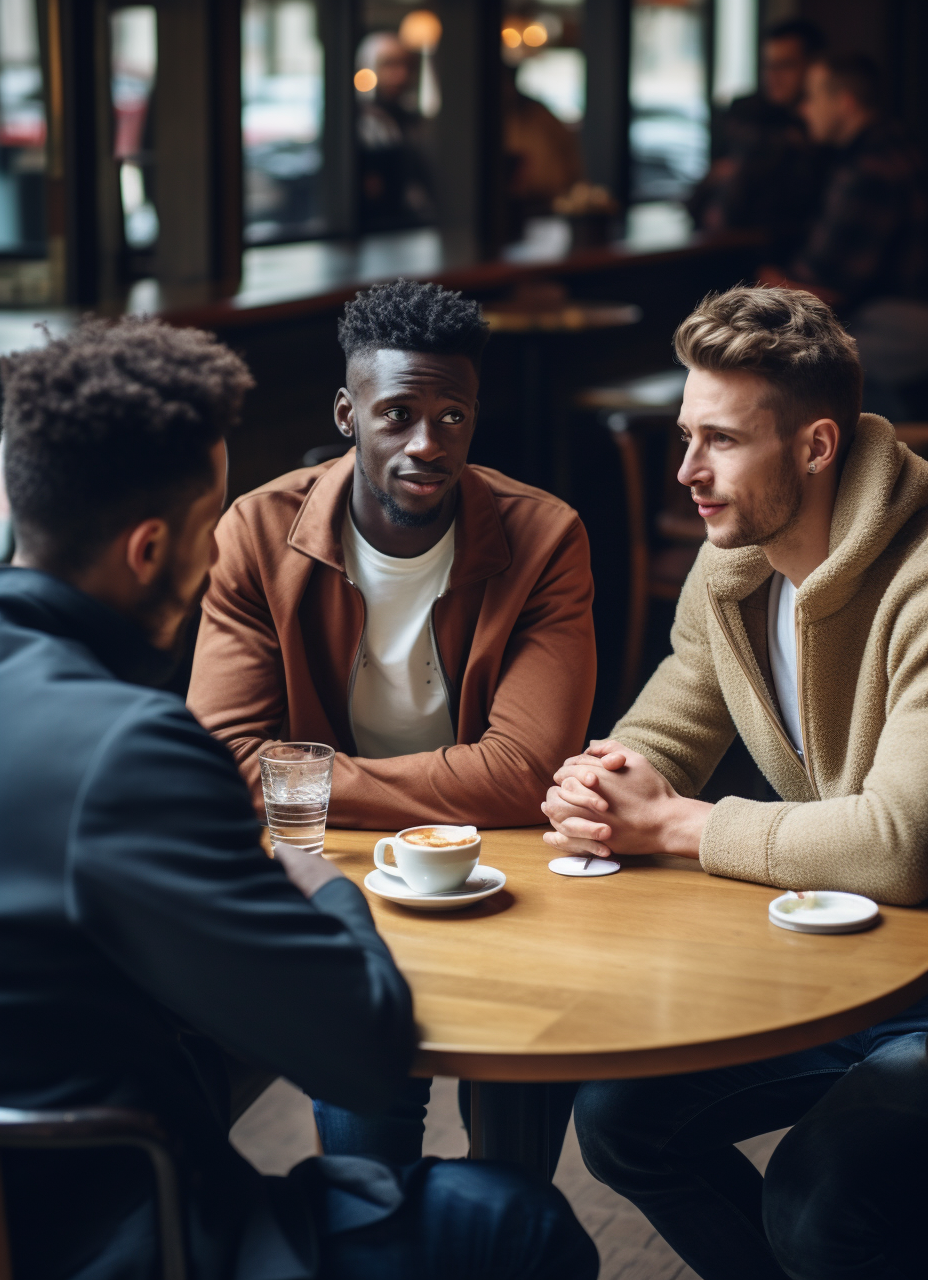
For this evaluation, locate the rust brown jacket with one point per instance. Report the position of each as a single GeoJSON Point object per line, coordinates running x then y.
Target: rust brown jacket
{"type": "Point", "coordinates": [282, 628]}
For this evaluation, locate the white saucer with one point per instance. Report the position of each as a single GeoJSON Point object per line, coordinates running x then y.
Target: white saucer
{"type": "Point", "coordinates": [837, 913]}
{"type": "Point", "coordinates": [580, 864]}
{"type": "Point", "coordinates": [482, 883]}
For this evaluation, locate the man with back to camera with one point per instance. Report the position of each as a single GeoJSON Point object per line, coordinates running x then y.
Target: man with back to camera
{"type": "Point", "coordinates": [767, 171]}
{"type": "Point", "coordinates": [430, 620]}
{"type": "Point", "coordinates": [147, 944]}
{"type": "Point", "coordinates": [803, 626]}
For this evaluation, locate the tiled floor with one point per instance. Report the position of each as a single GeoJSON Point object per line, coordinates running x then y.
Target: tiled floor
{"type": "Point", "coordinates": [278, 1131]}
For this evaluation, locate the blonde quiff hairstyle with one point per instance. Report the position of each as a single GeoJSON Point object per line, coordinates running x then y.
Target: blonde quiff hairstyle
{"type": "Point", "coordinates": [788, 337]}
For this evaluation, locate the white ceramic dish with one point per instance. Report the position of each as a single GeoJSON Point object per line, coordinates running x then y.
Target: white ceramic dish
{"type": "Point", "coordinates": [483, 882]}
{"type": "Point", "coordinates": [834, 913]}
{"type": "Point", "coordinates": [578, 864]}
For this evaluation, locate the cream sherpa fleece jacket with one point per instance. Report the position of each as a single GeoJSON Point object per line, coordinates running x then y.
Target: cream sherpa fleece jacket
{"type": "Point", "coordinates": [854, 813]}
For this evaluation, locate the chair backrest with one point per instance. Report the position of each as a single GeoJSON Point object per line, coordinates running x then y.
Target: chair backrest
{"type": "Point", "coordinates": [89, 1127]}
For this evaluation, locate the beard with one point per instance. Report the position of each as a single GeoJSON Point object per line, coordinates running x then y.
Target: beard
{"type": "Point", "coordinates": [770, 516]}
{"type": "Point", "coordinates": [167, 606]}
{"type": "Point", "coordinates": [396, 514]}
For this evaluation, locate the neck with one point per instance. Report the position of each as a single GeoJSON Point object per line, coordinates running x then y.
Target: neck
{"type": "Point", "coordinates": [804, 545]}
{"type": "Point", "coordinates": [402, 541]}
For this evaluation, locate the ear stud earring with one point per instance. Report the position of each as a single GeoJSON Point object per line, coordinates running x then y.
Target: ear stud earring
{"type": "Point", "coordinates": [812, 467]}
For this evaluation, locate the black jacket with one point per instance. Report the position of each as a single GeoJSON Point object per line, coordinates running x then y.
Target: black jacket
{"type": "Point", "coordinates": [141, 926]}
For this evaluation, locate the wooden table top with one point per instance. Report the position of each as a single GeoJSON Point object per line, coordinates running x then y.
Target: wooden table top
{"type": "Point", "coordinates": [656, 970]}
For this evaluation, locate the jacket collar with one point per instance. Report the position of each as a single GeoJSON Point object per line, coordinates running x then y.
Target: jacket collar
{"type": "Point", "coordinates": [882, 486]}
{"type": "Point", "coordinates": [43, 603]}
{"type": "Point", "coordinates": [481, 548]}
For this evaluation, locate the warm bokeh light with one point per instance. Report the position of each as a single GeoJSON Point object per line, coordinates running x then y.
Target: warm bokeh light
{"type": "Point", "coordinates": [511, 38]}
{"type": "Point", "coordinates": [535, 35]}
{"type": "Point", "coordinates": [365, 80]}
{"type": "Point", "coordinates": [420, 29]}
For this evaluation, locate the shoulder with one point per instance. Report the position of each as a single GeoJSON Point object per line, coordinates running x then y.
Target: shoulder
{"type": "Point", "coordinates": [277, 498]}
{"type": "Point", "coordinates": [521, 504]}
{"type": "Point", "coordinates": [154, 755]}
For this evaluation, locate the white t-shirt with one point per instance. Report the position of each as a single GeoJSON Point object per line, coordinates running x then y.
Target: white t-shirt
{"type": "Point", "coordinates": [398, 704]}
{"type": "Point", "coordinates": [781, 644]}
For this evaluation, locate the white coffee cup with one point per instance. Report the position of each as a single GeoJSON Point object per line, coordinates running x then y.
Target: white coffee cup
{"type": "Point", "coordinates": [430, 870]}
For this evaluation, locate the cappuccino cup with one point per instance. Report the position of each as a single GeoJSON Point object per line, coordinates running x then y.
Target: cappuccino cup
{"type": "Point", "coordinates": [431, 859]}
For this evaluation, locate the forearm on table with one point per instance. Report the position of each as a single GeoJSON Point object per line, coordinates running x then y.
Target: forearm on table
{"type": "Point", "coordinates": [867, 844]}
{"type": "Point", "coordinates": [485, 784]}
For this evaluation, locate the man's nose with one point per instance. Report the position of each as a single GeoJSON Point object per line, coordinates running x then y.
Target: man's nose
{"type": "Point", "coordinates": [694, 469]}
{"type": "Point", "coordinates": [424, 442]}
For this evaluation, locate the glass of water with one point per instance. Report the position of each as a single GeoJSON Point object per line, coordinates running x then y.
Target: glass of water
{"type": "Point", "coordinates": [297, 780]}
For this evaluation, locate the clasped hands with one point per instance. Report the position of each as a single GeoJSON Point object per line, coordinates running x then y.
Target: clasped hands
{"type": "Point", "coordinates": [613, 800]}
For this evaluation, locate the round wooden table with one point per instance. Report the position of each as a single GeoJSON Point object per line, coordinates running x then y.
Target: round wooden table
{"type": "Point", "coordinates": [657, 970]}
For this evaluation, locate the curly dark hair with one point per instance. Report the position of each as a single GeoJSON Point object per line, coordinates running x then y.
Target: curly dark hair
{"type": "Point", "coordinates": [108, 426]}
{"type": "Point", "coordinates": [406, 315]}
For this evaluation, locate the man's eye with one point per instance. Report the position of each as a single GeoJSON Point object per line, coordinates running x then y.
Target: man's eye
{"type": "Point", "coordinates": [453, 417]}
{"type": "Point", "coordinates": [722, 438]}
{"type": "Point", "coordinates": [397, 415]}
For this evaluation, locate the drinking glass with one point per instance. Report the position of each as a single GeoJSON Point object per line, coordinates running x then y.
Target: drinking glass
{"type": "Point", "coordinates": [297, 780]}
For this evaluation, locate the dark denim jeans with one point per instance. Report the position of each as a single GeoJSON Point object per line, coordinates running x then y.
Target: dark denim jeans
{"type": "Point", "coordinates": [465, 1221]}
{"type": "Point", "coordinates": [393, 1136]}
{"type": "Point", "coordinates": [845, 1190]}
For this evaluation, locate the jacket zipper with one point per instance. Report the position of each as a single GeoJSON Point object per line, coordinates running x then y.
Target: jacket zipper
{"type": "Point", "coordinates": [761, 693]}
{"type": "Point", "coordinates": [357, 659]}
{"type": "Point", "coordinates": [445, 682]}
{"type": "Point", "coordinates": [802, 718]}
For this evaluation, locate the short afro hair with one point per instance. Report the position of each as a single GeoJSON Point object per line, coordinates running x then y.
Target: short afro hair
{"type": "Point", "coordinates": [406, 315]}
{"type": "Point", "coordinates": [108, 426]}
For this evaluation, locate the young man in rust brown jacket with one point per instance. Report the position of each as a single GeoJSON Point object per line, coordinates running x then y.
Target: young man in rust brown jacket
{"type": "Point", "coordinates": [430, 620]}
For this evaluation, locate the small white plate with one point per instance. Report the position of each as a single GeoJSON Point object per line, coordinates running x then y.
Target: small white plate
{"type": "Point", "coordinates": [579, 864]}
{"type": "Point", "coordinates": [836, 913]}
{"type": "Point", "coordinates": [482, 883]}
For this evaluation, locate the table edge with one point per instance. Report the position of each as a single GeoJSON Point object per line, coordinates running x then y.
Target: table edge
{"type": "Point", "coordinates": [470, 1064]}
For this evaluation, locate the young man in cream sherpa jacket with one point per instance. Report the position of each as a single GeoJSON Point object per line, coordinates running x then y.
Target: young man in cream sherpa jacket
{"type": "Point", "coordinates": [803, 626]}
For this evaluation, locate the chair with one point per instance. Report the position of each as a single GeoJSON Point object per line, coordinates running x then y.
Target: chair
{"type": "Point", "coordinates": [100, 1127]}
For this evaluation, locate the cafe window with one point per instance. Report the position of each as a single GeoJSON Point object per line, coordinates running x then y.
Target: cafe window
{"type": "Point", "coordinates": [734, 71]}
{"type": "Point", "coordinates": [22, 133]}
{"type": "Point", "coordinates": [668, 100]}
{"type": "Point", "coordinates": [283, 83]}
{"type": "Point", "coordinates": [134, 54]}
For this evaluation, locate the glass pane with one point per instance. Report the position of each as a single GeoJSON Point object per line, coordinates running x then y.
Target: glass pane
{"type": "Point", "coordinates": [669, 130]}
{"type": "Point", "coordinates": [134, 44]}
{"type": "Point", "coordinates": [22, 132]}
{"type": "Point", "coordinates": [398, 99]}
{"type": "Point", "coordinates": [283, 97]}
{"type": "Point", "coordinates": [735, 69]}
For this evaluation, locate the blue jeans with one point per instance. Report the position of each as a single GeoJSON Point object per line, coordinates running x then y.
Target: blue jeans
{"type": "Point", "coordinates": [845, 1190]}
{"type": "Point", "coordinates": [464, 1221]}
{"type": "Point", "coordinates": [393, 1136]}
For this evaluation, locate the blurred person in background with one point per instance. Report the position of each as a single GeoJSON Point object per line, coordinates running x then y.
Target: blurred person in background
{"type": "Point", "coordinates": [542, 155]}
{"type": "Point", "coordinates": [866, 252]}
{"type": "Point", "coordinates": [396, 188]}
{"type": "Point", "coordinates": [765, 171]}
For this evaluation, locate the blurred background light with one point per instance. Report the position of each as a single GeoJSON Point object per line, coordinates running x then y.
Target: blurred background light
{"type": "Point", "coordinates": [365, 80]}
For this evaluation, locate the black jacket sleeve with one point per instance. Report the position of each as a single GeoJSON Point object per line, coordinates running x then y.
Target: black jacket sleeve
{"type": "Point", "coordinates": [166, 875]}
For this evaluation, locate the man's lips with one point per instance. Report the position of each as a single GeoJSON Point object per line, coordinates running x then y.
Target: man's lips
{"type": "Point", "coordinates": [422, 483]}
{"type": "Point", "coordinates": [709, 508]}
